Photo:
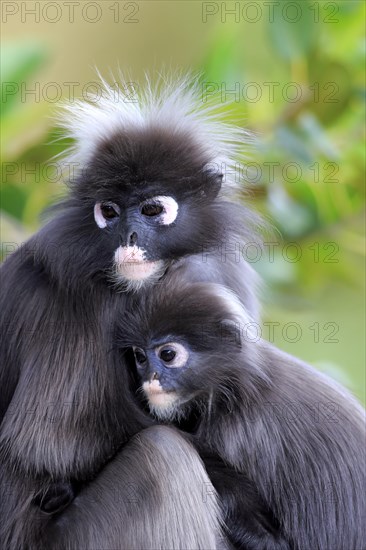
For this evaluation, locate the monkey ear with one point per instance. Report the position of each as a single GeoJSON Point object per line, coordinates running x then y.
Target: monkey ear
{"type": "Point", "coordinates": [212, 183]}
{"type": "Point", "coordinates": [230, 333]}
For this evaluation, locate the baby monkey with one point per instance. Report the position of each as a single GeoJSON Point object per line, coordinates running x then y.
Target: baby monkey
{"type": "Point", "coordinates": [282, 443]}
{"type": "Point", "coordinates": [185, 350]}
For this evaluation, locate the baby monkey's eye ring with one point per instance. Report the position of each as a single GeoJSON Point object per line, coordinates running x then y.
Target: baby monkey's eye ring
{"type": "Point", "coordinates": [139, 356]}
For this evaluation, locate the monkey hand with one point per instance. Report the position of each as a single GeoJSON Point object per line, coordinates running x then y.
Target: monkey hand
{"type": "Point", "coordinates": [55, 497]}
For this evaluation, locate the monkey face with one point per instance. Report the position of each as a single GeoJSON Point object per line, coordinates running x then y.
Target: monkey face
{"type": "Point", "coordinates": [160, 369]}
{"type": "Point", "coordinates": [151, 199]}
{"type": "Point", "coordinates": [138, 257]}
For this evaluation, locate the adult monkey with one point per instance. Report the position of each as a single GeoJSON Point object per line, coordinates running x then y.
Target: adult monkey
{"type": "Point", "coordinates": [147, 204]}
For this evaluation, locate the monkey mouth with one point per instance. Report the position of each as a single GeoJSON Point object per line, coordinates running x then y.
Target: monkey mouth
{"type": "Point", "coordinates": [157, 391]}
{"type": "Point", "coordinates": [157, 396]}
{"type": "Point", "coordinates": [161, 399]}
{"type": "Point", "coordinates": [138, 270]}
{"type": "Point", "coordinates": [132, 268]}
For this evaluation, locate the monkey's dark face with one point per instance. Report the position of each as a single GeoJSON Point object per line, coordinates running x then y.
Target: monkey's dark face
{"type": "Point", "coordinates": [139, 254]}
{"type": "Point", "coordinates": [186, 340]}
{"type": "Point", "coordinates": [151, 197]}
{"type": "Point", "coordinates": [161, 368]}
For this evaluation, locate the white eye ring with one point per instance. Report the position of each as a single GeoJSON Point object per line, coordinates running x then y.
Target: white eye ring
{"type": "Point", "coordinates": [100, 219]}
{"type": "Point", "coordinates": [136, 352]}
{"type": "Point", "coordinates": [181, 358]}
{"type": "Point", "coordinates": [170, 208]}
{"type": "Point", "coordinates": [98, 216]}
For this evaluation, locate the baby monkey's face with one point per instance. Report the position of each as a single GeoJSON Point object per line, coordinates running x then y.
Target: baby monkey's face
{"type": "Point", "coordinates": [161, 368]}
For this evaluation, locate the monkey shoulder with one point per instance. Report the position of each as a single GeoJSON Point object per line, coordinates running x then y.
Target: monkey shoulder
{"type": "Point", "coordinates": [212, 267]}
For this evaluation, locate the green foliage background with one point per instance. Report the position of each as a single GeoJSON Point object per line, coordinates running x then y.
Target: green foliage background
{"type": "Point", "coordinates": [317, 201]}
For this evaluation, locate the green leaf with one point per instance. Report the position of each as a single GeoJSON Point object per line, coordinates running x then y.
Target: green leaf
{"type": "Point", "coordinates": [331, 87]}
{"type": "Point", "coordinates": [223, 63]}
{"type": "Point", "coordinates": [292, 218]}
{"type": "Point", "coordinates": [317, 136]}
{"type": "Point", "coordinates": [18, 63]}
{"type": "Point", "coordinates": [292, 30]}
{"type": "Point", "coordinates": [293, 145]}
{"type": "Point", "coordinates": [13, 200]}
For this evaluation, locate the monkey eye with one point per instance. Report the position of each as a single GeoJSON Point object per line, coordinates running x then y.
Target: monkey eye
{"type": "Point", "coordinates": [173, 354]}
{"type": "Point", "coordinates": [109, 210]}
{"type": "Point", "coordinates": [151, 209]}
{"type": "Point", "coordinates": [167, 355]}
{"type": "Point", "coordinates": [140, 356]}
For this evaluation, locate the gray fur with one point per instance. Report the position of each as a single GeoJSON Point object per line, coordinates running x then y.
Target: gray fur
{"type": "Point", "coordinates": [66, 409]}
{"type": "Point", "coordinates": [157, 476]}
{"type": "Point", "coordinates": [152, 508]}
{"type": "Point", "coordinates": [297, 434]}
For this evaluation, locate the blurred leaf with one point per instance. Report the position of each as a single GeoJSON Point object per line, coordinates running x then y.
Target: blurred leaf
{"type": "Point", "coordinates": [276, 270]}
{"type": "Point", "coordinates": [292, 31]}
{"type": "Point", "coordinates": [292, 218]}
{"type": "Point", "coordinates": [224, 61]}
{"type": "Point", "coordinates": [317, 135]}
{"type": "Point", "coordinates": [331, 87]}
{"type": "Point", "coordinates": [349, 8]}
{"type": "Point", "coordinates": [293, 144]}
{"type": "Point", "coordinates": [224, 74]}
{"type": "Point", "coordinates": [13, 200]}
{"type": "Point", "coordinates": [22, 123]}
{"type": "Point", "coordinates": [23, 129]}
{"type": "Point", "coordinates": [18, 63]}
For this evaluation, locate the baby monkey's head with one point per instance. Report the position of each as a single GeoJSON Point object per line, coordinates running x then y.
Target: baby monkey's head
{"type": "Point", "coordinates": [187, 344]}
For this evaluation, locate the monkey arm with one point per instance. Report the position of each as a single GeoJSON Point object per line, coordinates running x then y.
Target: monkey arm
{"type": "Point", "coordinates": [58, 379]}
{"type": "Point", "coordinates": [148, 496]}
{"type": "Point", "coordinates": [147, 506]}
{"type": "Point", "coordinates": [56, 496]}
{"type": "Point", "coordinates": [249, 523]}
{"type": "Point", "coordinates": [9, 329]}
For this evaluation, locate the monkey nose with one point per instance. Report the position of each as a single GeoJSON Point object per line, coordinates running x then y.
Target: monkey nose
{"type": "Point", "coordinates": [133, 239]}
